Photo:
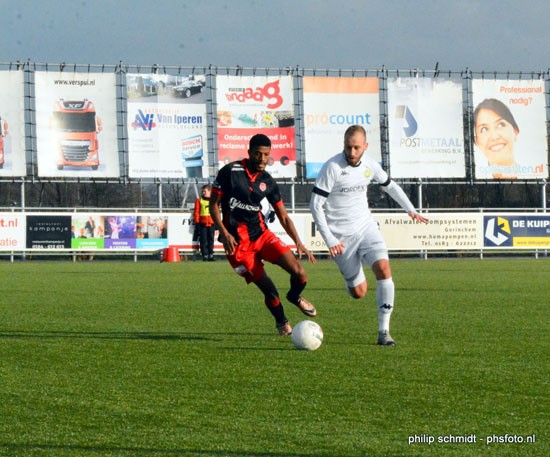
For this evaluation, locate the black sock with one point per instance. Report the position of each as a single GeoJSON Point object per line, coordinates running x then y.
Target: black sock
{"type": "Point", "coordinates": [276, 309]}
{"type": "Point", "coordinates": [296, 288]}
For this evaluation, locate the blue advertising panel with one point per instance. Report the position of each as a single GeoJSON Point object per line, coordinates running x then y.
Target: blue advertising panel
{"type": "Point", "coordinates": [517, 231]}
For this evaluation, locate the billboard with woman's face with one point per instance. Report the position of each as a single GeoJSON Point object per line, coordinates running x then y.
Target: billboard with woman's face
{"type": "Point", "coordinates": [509, 129]}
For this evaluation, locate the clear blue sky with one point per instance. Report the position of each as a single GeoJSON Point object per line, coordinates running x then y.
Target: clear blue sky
{"type": "Point", "coordinates": [352, 34]}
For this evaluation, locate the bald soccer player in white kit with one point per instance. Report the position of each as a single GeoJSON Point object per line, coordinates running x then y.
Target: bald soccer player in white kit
{"type": "Point", "coordinates": [341, 212]}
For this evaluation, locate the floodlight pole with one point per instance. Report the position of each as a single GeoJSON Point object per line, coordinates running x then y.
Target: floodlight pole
{"type": "Point", "coordinates": [22, 204]}
{"type": "Point", "coordinates": [423, 253]}
{"type": "Point", "coordinates": [292, 196]}
{"type": "Point", "coordinates": [23, 194]}
{"type": "Point", "coordinates": [159, 191]}
{"type": "Point", "coordinates": [420, 194]}
{"type": "Point", "coordinates": [544, 183]}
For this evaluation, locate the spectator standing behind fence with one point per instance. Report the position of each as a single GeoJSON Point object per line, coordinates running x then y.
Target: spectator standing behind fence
{"type": "Point", "coordinates": [205, 224]}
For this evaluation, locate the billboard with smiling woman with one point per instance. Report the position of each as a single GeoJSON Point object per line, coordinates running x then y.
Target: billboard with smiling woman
{"type": "Point", "coordinates": [509, 129]}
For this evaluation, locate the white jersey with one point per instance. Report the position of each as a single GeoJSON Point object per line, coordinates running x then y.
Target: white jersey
{"type": "Point", "coordinates": [339, 203]}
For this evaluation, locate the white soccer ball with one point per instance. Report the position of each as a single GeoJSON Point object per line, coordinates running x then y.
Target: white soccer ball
{"type": "Point", "coordinates": [307, 335]}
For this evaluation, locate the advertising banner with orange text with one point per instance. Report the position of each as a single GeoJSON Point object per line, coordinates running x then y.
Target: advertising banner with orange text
{"type": "Point", "coordinates": [331, 105]}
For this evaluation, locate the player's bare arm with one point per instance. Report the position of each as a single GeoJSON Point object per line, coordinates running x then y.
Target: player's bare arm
{"type": "Point", "coordinates": [290, 229]}
{"type": "Point", "coordinates": [228, 241]}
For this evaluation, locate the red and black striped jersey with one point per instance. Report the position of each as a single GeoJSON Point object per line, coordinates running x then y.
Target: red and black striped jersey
{"type": "Point", "coordinates": [241, 194]}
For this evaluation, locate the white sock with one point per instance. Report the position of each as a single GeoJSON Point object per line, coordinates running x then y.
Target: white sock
{"type": "Point", "coordinates": [385, 293]}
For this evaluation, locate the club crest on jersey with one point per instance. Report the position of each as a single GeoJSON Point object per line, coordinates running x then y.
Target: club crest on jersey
{"type": "Point", "coordinates": [263, 186]}
{"type": "Point", "coordinates": [367, 173]}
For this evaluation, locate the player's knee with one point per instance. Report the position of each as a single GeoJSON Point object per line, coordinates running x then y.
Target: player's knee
{"type": "Point", "coordinates": [382, 270]}
{"type": "Point", "coordinates": [299, 272]}
{"type": "Point", "coordinates": [272, 300]}
{"type": "Point", "coordinates": [357, 292]}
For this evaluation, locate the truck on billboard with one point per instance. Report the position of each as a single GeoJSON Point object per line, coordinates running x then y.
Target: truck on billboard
{"type": "Point", "coordinates": [77, 126]}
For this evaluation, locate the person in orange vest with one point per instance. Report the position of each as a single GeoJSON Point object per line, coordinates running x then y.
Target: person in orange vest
{"type": "Point", "coordinates": [205, 224]}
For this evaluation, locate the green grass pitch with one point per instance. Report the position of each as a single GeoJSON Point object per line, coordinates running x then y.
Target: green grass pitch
{"type": "Point", "coordinates": [145, 359]}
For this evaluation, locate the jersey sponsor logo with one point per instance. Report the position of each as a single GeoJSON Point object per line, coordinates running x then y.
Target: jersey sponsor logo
{"type": "Point", "coordinates": [237, 204]}
{"type": "Point", "coordinates": [351, 189]}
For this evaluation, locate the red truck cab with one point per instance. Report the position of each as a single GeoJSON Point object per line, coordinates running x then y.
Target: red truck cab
{"type": "Point", "coordinates": [77, 126]}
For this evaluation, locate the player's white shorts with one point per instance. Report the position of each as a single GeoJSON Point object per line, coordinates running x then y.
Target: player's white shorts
{"type": "Point", "coordinates": [362, 248]}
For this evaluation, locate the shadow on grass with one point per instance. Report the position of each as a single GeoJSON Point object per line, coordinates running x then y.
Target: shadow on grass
{"type": "Point", "coordinates": [147, 336]}
{"type": "Point", "coordinates": [137, 451]}
{"type": "Point", "coordinates": [115, 335]}
{"type": "Point", "coordinates": [269, 349]}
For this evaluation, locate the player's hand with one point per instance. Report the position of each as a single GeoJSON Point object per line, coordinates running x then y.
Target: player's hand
{"type": "Point", "coordinates": [336, 250]}
{"type": "Point", "coordinates": [417, 217]}
{"type": "Point", "coordinates": [303, 250]}
{"type": "Point", "coordinates": [229, 243]}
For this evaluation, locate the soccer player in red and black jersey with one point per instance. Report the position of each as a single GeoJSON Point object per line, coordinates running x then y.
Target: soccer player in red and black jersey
{"type": "Point", "coordinates": [239, 189]}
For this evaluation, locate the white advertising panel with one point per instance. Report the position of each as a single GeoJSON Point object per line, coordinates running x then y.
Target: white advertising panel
{"type": "Point", "coordinates": [12, 231]}
{"type": "Point", "coordinates": [331, 105]}
{"type": "Point", "coordinates": [167, 126]}
{"type": "Point", "coordinates": [426, 130]}
{"type": "Point", "coordinates": [76, 124]}
{"type": "Point", "coordinates": [12, 124]}
{"type": "Point", "coordinates": [456, 232]}
{"type": "Point", "coordinates": [181, 233]}
{"type": "Point", "coordinates": [460, 231]}
{"type": "Point", "coordinates": [181, 230]}
{"type": "Point", "coordinates": [509, 128]}
{"type": "Point", "coordinates": [156, 231]}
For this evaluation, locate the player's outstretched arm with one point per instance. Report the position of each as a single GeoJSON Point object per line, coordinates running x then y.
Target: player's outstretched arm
{"type": "Point", "coordinates": [290, 229]}
{"type": "Point", "coordinates": [396, 192]}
